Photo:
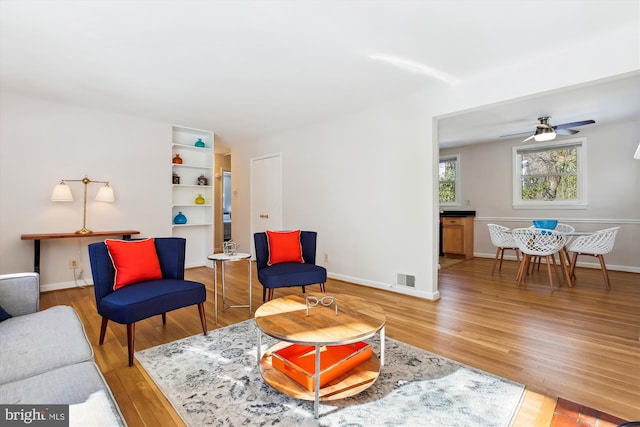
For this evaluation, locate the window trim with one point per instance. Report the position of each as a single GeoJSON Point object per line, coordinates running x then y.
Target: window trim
{"type": "Point", "coordinates": [581, 157]}
{"type": "Point", "coordinates": [457, 158]}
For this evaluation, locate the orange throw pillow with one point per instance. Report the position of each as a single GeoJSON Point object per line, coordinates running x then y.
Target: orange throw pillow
{"type": "Point", "coordinates": [284, 246]}
{"type": "Point", "coordinates": [134, 261]}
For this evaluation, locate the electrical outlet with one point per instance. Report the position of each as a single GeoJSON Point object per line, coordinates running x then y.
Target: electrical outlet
{"type": "Point", "coordinates": [326, 257]}
{"type": "Point", "coordinates": [74, 264]}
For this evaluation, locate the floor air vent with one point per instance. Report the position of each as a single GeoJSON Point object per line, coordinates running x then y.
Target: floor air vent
{"type": "Point", "coordinates": [406, 280]}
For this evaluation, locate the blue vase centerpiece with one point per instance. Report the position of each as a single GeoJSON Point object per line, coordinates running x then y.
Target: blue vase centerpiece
{"type": "Point", "coordinates": [180, 219]}
{"type": "Point", "coordinates": [200, 143]}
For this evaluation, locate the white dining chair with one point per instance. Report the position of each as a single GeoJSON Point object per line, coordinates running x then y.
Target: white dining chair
{"type": "Point", "coordinates": [597, 244]}
{"type": "Point", "coordinates": [537, 242]}
{"type": "Point", "coordinates": [562, 228]}
{"type": "Point", "coordinates": [503, 241]}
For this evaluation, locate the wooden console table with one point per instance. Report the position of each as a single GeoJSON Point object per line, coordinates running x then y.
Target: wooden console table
{"type": "Point", "coordinates": [126, 234]}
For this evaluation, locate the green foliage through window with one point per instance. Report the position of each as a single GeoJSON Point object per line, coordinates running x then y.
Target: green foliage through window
{"type": "Point", "coordinates": [549, 174]}
{"type": "Point", "coordinates": [447, 175]}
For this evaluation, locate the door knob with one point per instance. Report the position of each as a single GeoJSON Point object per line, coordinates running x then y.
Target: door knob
{"type": "Point", "coordinates": [264, 215]}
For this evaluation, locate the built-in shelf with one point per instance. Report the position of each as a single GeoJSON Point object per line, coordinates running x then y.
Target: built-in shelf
{"type": "Point", "coordinates": [191, 147]}
{"type": "Point", "coordinates": [183, 166]}
{"type": "Point", "coordinates": [196, 162]}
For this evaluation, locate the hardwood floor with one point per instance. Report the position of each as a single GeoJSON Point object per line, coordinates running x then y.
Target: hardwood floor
{"type": "Point", "coordinates": [581, 344]}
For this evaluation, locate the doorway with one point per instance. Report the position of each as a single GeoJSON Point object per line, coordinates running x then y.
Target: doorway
{"type": "Point", "coordinates": [226, 205]}
{"type": "Point", "coordinates": [223, 200]}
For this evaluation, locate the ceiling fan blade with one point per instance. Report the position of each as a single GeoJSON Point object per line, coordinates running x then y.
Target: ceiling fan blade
{"type": "Point", "coordinates": [566, 131]}
{"type": "Point", "coordinates": [525, 140]}
{"type": "Point", "coordinates": [516, 134]}
{"type": "Point", "coordinates": [574, 124]}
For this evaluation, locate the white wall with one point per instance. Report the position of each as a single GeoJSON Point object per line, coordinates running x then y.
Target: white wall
{"type": "Point", "coordinates": [43, 142]}
{"type": "Point", "coordinates": [341, 179]}
{"type": "Point", "coordinates": [612, 188]}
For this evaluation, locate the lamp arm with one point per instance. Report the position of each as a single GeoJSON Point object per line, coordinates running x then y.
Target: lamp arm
{"type": "Point", "coordinates": [85, 180]}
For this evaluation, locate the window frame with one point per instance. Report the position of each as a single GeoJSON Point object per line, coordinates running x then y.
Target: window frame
{"type": "Point", "coordinates": [457, 158]}
{"type": "Point", "coordinates": [581, 157]}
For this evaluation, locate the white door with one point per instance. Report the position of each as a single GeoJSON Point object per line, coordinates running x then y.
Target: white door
{"type": "Point", "coordinates": [266, 194]}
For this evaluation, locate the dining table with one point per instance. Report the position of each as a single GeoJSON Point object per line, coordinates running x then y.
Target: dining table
{"type": "Point", "coordinates": [564, 253]}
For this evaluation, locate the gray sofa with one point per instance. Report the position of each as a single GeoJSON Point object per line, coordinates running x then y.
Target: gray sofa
{"type": "Point", "coordinates": [46, 357]}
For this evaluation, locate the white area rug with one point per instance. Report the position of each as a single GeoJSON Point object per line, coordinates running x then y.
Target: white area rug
{"type": "Point", "coordinates": [215, 380]}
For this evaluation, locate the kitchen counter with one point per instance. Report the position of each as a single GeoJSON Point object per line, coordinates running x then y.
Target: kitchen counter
{"type": "Point", "coordinates": [456, 213]}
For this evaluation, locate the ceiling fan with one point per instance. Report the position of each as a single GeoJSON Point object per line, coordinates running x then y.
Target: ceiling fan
{"type": "Point", "coordinates": [545, 132]}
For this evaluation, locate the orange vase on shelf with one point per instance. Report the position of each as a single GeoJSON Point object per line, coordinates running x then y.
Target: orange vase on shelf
{"type": "Point", "coordinates": [177, 159]}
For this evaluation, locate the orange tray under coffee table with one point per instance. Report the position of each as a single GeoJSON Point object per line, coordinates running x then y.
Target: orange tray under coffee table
{"type": "Point", "coordinates": [286, 320]}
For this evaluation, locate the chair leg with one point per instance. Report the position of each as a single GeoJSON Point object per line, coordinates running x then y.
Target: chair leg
{"type": "Point", "coordinates": [496, 261]}
{"type": "Point", "coordinates": [264, 294]}
{"type": "Point", "coordinates": [548, 270]}
{"type": "Point", "coordinates": [322, 287]}
{"type": "Point", "coordinates": [605, 273]}
{"type": "Point", "coordinates": [501, 259]}
{"type": "Point", "coordinates": [573, 265]}
{"type": "Point", "coordinates": [164, 318]}
{"type": "Point", "coordinates": [303, 290]}
{"type": "Point", "coordinates": [567, 256]}
{"type": "Point", "coordinates": [131, 336]}
{"type": "Point", "coordinates": [555, 268]}
{"type": "Point", "coordinates": [103, 329]}
{"type": "Point", "coordinates": [203, 318]}
{"type": "Point", "coordinates": [566, 266]}
{"type": "Point", "coordinates": [270, 294]}
{"type": "Point", "coordinates": [524, 267]}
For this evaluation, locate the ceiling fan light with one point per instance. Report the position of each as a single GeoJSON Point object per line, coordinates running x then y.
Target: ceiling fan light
{"type": "Point", "coordinates": [544, 134]}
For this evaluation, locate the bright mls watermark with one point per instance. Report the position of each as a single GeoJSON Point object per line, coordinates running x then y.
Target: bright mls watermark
{"type": "Point", "coordinates": [34, 415]}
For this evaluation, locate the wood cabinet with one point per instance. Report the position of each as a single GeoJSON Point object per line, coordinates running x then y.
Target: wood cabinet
{"type": "Point", "coordinates": [457, 237]}
{"type": "Point", "coordinates": [193, 178]}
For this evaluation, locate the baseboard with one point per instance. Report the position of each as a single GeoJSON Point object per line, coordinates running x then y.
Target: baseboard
{"type": "Point", "coordinates": [596, 266]}
{"type": "Point", "coordinates": [433, 296]}
{"type": "Point", "coordinates": [81, 283]}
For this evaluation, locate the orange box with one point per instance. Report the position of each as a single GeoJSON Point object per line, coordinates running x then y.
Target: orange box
{"type": "Point", "coordinates": [297, 361]}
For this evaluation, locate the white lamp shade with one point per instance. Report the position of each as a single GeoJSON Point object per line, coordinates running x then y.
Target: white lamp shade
{"type": "Point", "coordinates": [61, 193]}
{"type": "Point", "coordinates": [105, 194]}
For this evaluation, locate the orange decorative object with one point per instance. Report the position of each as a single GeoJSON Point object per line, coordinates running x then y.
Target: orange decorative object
{"type": "Point", "coordinates": [297, 361]}
{"type": "Point", "coordinates": [177, 159]}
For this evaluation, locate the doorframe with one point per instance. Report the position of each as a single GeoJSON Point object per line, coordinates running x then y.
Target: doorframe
{"type": "Point", "coordinates": [252, 161]}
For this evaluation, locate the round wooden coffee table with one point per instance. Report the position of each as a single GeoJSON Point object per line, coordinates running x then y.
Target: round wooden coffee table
{"type": "Point", "coordinates": [286, 319]}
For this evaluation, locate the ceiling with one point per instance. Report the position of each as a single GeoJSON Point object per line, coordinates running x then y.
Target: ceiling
{"type": "Point", "coordinates": [249, 69]}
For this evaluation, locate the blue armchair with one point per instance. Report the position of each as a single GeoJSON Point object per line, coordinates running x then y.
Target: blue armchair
{"type": "Point", "coordinates": [144, 299]}
{"type": "Point", "coordinates": [288, 274]}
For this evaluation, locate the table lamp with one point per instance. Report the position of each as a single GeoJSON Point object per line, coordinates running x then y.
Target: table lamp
{"type": "Point", "coordinates": [62, 193]}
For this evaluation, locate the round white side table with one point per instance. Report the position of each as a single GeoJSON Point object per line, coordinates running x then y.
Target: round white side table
{"type": "Point", "coordinates": [222, 259]}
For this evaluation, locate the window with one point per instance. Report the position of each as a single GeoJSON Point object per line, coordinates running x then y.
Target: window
{"type": "Point", "coordinates": [449, 180]}
{"type": "Point", "coordinates": [550, 175]}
